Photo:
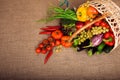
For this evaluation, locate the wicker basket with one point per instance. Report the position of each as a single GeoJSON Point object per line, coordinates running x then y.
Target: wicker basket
{"type": "Point", "coordinates": [109, 6]}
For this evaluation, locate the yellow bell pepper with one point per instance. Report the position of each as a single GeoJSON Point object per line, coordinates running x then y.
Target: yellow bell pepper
{"type": "Point", "coordinates": [82, 13]}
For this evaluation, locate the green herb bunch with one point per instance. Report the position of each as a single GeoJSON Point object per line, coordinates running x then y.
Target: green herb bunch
{"type": "Point", "coordinates": [60, 13]}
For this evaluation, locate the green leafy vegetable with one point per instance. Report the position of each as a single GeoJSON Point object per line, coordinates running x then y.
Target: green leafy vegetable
{"type": "Point", "coordinates": [59, 13]}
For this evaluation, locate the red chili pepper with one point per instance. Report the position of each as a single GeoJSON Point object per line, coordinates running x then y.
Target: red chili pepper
{"type": "Point", "coordinates": [55, 27]}
{"type": "Point", "coordinates": [45, 32]}
{"type": "Point", "coordinates": [48, 29]}
{"type": "Point", "coordinates": [51, 28]}
{"type": "Point", "coordinates": [109, 39]}
{"type": "Point", "coordinates": [48, 56]}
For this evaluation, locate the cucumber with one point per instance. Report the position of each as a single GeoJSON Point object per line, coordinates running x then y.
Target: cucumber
{"type": "Point", "coordinates": [101, 46]}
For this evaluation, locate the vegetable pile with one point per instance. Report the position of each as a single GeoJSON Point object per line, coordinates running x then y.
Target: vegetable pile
{"type": "Point", "coordinates": [82, 29]}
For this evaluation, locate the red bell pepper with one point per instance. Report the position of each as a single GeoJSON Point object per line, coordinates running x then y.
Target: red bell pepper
{"type": "Point", "coordinates": [109, 39]}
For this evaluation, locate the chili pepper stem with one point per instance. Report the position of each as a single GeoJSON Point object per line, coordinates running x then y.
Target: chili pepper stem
{"type": "Point", "coordinates": [108, 40]}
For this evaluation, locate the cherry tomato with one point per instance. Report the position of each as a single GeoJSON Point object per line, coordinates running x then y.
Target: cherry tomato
{"type": "Point", "coordinates": [44, 51]}
{"type": "Point", "coordinates": [49, 47]}
{"type": "Point", "coordinates": [41, 45]}
{"type": "Point", "coordinates": [38, 50]}
{"type": "Point", "coordinates": [45, 41]}
{"type": "Point", "coordinates": [57, 42]}
{"type": "Point", "coordinates": [50, 39]}
{"type": "Point", "coordinates": [52, 44]}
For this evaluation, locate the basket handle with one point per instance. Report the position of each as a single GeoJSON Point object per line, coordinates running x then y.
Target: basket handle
{"type": "Point", "coordinates": [87, 25]}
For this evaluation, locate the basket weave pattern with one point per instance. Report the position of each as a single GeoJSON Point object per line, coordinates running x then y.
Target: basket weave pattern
{"type": "Point", "coordinates": [108, 6]}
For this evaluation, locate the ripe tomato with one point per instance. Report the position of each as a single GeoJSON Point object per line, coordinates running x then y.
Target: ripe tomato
{"type": "Point", "coordinates": [41, 45]}
{"type": "Point", "coordinates": [44, 51]}
{"type": "Point", "coordinates": [38, 50]}
{"type": "Point", "coordinates": [50, 39]}
{"type": "Point", "coordinates": [45, 41]}
{"type": "Point", "coordinates": [49, 47]}
{"type": "Point", "coordinates": [52, 44]}
{"type": "Point", "coordinates": [92, 12]}
{"type": "Point", "coordinates": [57, 34]}
{"type": "Point", "coordinates": [64, 41]}
{"type": "Point", "coordinates": [57, 42]}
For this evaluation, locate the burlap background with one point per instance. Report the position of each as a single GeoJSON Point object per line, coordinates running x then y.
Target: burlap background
{"type": "Point", "coordinates": [19, 37]}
